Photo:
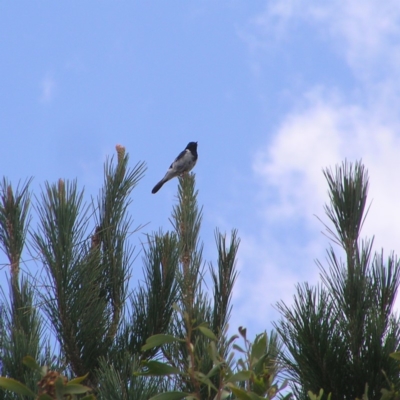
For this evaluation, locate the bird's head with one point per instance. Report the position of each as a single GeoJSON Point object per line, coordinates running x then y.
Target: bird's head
{"type": "Point", "coordinates": [192, 146]}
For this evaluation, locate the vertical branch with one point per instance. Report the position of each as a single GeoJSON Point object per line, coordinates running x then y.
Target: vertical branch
{"type": "Point", "coordinates": [112, 231]}
{"type": "Point", "coordinates": [348, 189]}
{"type": "Point", "coordinates": [14, 223]}
{"type": "Point", "coordinates": [186, 220]}
{"type": "Point", "coordinates": [194, 305]}
{"type": "Point", "coordinates": [152, 302]}
{"type": "Point", "coordinates": [60, 241]}
{"type": "Point", "coordinates": [225, 280]}
{"type": "Point", "coordinates": [22, 325]}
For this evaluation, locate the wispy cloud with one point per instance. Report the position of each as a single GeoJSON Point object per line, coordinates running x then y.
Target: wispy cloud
{"type": "Point", "coordinates": [48, 86]}
{"type": "Point", "coordinates": [365, 32]}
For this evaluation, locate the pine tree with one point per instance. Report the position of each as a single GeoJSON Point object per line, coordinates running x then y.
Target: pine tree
{"type": "Point", "coordinates": [20, 326]}
{"type": "Point", "coordinates": [172, 301]}
{"type": "Point", "coordinates": [339, 334]}
{"type": "Point", "coordinates": [83, 302]}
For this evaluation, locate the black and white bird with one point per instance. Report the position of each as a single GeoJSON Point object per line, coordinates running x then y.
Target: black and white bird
{"type": "Point", "coordinates": [183, 163]}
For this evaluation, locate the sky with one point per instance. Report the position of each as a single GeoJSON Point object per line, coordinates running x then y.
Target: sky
{"type": "Point", "coordinates": [273, 91]}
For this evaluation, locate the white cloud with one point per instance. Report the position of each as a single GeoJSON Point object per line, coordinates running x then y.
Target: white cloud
{"type": "Point", "coordinates": [325, 126]}
{"type": "Point", "coordinates": [48, 86]}
{"type": "Point", "coordinates": [321, 135]}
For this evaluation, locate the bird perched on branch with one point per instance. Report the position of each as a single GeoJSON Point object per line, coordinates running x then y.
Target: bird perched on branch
{"type": "Point", "coordinates": [183, 163]}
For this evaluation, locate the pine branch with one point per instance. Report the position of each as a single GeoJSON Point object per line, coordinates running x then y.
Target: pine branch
{"type": "Point", "coordinates": [192, 353]}
{"type": "Point", "coordinates": [152, 303]}
{"type": "Point", "coordinates": [120, 382]}
{"type": "Point", "coordinates": [86, 282]}
{"type": "Point", "coordinates": [186, 220]}
{"type": "Point", "coordinates": [224, 280]}
{"type": "Point", "coordinates": [21, 324]}
{"type": "Point", "coordinates": [348, 191]}
{"type": "Point", "coordinates": [23, 334]}
{"type": "Point", "coordinates": [14, 222]}
{"type": "Point", "coordinates": [60, 241]}
{"type": "Point", "coordinates": [113, 229]}
{"type": "Point", "coordinates": [339, 337]}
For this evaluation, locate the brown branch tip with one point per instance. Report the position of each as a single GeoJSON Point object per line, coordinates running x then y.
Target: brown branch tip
{"type": "Point", "coordinates": [120, 151]}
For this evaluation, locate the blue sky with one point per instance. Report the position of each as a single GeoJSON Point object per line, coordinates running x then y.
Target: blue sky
{"type": "Point", "coordinates": [273, 91]}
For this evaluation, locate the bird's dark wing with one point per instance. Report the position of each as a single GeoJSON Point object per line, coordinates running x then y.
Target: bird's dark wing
{"type": "Point", "coordinates": [181, 155]}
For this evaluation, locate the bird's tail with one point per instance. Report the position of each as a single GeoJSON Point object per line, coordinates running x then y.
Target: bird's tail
{"type": "Point", "coordinates": [158, 186]}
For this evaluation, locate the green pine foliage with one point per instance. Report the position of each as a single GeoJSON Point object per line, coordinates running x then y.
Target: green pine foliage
{"type": "Point", "coordinates": [83, 300]}
{"type": "Point", "coordinates": [21, 325]}
{"type": "Point", "coordinates": [339, 334]}
{"type": "Point", "coordinates": [167, 337]}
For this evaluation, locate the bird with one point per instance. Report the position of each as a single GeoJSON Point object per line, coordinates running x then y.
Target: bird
{"type": "Point", "coordinates": [185, 161]}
